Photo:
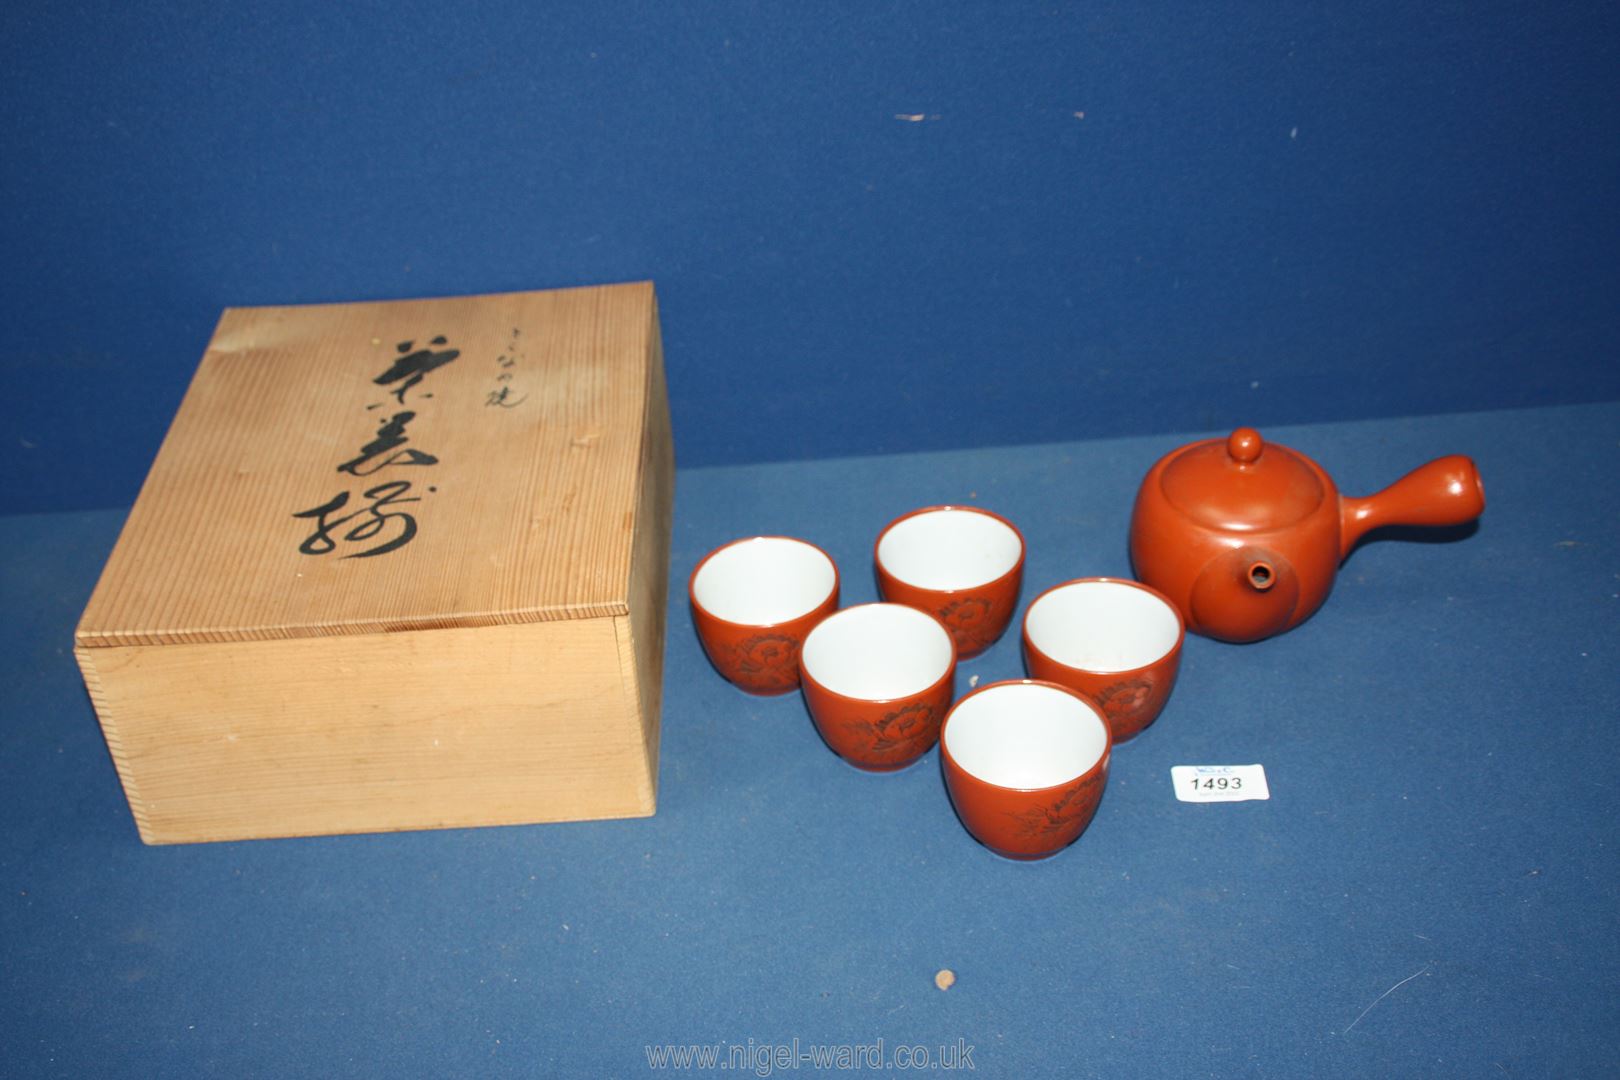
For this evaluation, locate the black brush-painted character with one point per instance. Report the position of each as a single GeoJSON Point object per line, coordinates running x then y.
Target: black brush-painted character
{"type": "Point", "coordinates": [413, 363]}
{"type": "Point", "coordinates": [377, 519]}
{"type": "Point", "coordinates": [390, 436]}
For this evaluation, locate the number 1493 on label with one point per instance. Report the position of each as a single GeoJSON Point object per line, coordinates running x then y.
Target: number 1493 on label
{"type": "Point", "coordinates": [1219, 783]}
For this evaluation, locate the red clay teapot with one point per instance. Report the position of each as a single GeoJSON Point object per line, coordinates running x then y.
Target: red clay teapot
{"type": "Point", "coordinates": [1245, 536]}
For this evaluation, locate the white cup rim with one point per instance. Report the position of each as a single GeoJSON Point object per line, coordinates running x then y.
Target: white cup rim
{"type": "Point", "coordinates": [1091, 753]}
{"type": "Point", "coordinates": [826, 594]}
{"type": "Point", "coordinates": [1158, 644]}
{"type": "Point", "coordinates": [927, 626]}
{"type": "Point", "coordinates": [979, 582]}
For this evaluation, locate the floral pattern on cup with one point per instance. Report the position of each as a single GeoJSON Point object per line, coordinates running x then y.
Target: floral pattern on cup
{"type": "Point", "coordinates": [969, 621]}
{"type": "Point", "coordinates": [1044, 822]}
{"type": "Point", "coordinates": [910, 730]}
{"type": "Point", "coordinates": [1124, 699]}
{"type": "Point", "coordinates": [769, 661]}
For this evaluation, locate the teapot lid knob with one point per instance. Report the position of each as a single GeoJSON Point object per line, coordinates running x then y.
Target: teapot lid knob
{"type": "Point", "coordinates": [1244, 445]}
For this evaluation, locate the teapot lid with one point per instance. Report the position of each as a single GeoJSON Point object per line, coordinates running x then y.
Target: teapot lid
{"type": "Point", "coordinates": [1242, 483]}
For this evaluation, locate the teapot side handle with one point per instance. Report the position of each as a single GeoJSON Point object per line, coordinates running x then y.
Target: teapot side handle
{"type": "Point", "coordinates": [1446, 491]}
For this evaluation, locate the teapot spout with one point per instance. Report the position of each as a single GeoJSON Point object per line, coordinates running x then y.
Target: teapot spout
{"type": "Point", "coordinates": [1446, 491]}
{"type": "Point", "coordinates": [1246, 594]}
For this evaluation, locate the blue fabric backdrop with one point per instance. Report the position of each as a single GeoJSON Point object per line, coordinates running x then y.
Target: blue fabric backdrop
{"type": "Point", "coordinates": [875, 227]}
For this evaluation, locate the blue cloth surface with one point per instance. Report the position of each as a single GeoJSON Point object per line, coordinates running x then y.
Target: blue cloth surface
{"type": "Point", "coordinates": [1432, 889]}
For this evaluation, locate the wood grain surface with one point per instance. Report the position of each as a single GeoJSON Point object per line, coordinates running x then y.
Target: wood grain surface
{"type": "Point", "coordinates": [526, 514]}
{"type": "Point", "coordinates": [373, 732]}
{"type": "Point", "coordinates": [641, 632]}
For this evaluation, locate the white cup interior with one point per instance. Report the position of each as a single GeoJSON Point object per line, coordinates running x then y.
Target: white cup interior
{"type": "Point", "coordinates": [766, 580]}
{"type": "Point", "coordinates": [1102, 626]}
{"type": "Point", "coordinates": [1025, 736]}
{"type": "Point", "coordinates": [949, 549]}
{"type": "Point", "coordinates": [877, 651]}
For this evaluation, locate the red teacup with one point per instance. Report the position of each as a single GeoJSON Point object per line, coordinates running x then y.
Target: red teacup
{"type": "Point", "coordinates": [753, 602]}
{"type": "Point", "coordinates": [1025, 763]}
{"type": "Point", "coordinates": [961, 564]}
{"type": "Point", "coordinates": [1117, 642]}
{"type": "Point", "coordinates": [878, 679]}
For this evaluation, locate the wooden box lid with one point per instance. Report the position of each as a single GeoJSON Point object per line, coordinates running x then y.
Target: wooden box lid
{"type": "Point", "coordinates": [280, 504]}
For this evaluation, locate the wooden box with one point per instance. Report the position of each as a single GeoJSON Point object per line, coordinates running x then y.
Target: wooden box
{"type": "Point", "coordinates": [398, 565]}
